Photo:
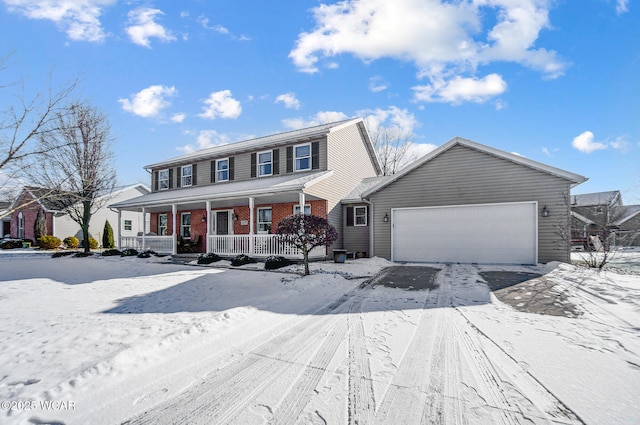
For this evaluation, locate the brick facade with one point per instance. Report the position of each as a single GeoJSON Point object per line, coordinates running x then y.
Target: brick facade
{"type": "Point", "coordinates": [29, 210]}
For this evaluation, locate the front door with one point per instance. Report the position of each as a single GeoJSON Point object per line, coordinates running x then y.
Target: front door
{"type": "Point", "coordinates": [222, 222]}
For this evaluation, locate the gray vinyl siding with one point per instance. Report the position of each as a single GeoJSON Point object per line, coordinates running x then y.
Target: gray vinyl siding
{"type": "Point", "coordinates": [242, 164]}
{"type": "Point", "coordinates": [463, 175]}
{"type": "Point", "coordinates": [349, 159]}
{"type": "Point", "coordinates": [356, 238]}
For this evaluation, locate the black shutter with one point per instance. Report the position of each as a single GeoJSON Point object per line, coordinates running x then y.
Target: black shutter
{"type": "Point", "coordinates": [253, 164]}
{"type": "Point", "coordinates": [290, 159]}
{"type": "Point", "coordinates": [156, 176]}
{"type": "Point", "coordinates": [231, 168]}
{"type": "Point", "coordinates": [194, 174]}
{"type": "Point", "coordinates": [349, 216]}
{"type": "Point", "coordinates": [213, 171]}
{"type": "Point", "coordinates": [276, 161]}
{"type": "Point", "coordinates": [315, 155]}
{"type": "Point", "coordinates": [179, 174]}
{"type": "Point", "coordinates": [170, 178]}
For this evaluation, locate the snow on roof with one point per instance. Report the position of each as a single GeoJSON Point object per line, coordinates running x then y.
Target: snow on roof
{"type": "Point", "coordinates": [626, 212]}
{"type": "Point", "coordinates": [278, 184]}
{"type": "Point", "coordinates": [251, 144]}
{"type": "Point", "coordinates": [596, 198]}
{"type": "Point", "coordinates": [581, 218]}
{"type": "Point", "coordinates": [356, 194]}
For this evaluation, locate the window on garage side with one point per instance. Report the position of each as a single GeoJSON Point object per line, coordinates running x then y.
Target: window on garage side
{"type": "Point", "coordinates": [357, 216]}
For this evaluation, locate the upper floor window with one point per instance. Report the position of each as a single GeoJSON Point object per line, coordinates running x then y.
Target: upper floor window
{"type": "Point", "coordinates": [307, 209]}
{"type": "Point", "coordinates": [265, 163]}
{"type": "Point", "coordinates": [222, 170]}
{"type": "Point", "coordinates": [187, 176]}
{"type": "Point", "coordinates": [302, 157]}
{"type": "Point", "coordinates": [163, 179]}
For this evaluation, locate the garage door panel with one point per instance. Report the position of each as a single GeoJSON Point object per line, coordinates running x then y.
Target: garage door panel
{"type": "Point", "coordinates": [489, 234]}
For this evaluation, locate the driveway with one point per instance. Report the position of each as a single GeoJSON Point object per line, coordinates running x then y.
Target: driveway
{"type": "Point", "coordinates": [396, 351]}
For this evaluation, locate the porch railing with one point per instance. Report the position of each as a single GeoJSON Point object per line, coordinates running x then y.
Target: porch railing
{"type": "Point", "coordinates": [257, 246]}
{"type": "Point", "coordinates": [160, 244]}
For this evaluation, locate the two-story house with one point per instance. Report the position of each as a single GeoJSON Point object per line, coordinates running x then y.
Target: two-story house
{"type": "Point", "coordinates": [229, 199]}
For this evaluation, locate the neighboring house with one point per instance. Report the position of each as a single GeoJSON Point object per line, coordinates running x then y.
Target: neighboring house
{"type": "Point", "coordinates": [59, 224]}
{"type": "Point", "coordinates": [5, 218]}
{"type": "Point", "coordinates": [463, 202]}
{"type": "Point", "coordinates": [229, 199]}
{"type": "Point", "coordinates": [603, 214]}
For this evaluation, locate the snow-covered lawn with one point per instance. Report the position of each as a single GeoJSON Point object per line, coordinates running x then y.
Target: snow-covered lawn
{"type": "Point", "coordinates": [116, 339]}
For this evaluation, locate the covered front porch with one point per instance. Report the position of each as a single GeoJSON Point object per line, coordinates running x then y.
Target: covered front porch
{"type": "Point", "coordinates": [221, 223]}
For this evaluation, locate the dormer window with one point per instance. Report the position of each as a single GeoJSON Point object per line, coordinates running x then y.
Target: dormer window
{"type": "Point", "coordinates": [265, 163]}
{"type": "Point", "coordinates": [222, 170]}
{"type": "Point", "coordinates": [163, 179]}
{"type": "Point", "coordinates": [187, 176]}
{"type": "Point", "coordinates": [302, 157]}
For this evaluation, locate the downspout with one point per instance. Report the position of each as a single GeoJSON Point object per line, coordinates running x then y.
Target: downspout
{"type": "Point", "coordinates": [371, 224]}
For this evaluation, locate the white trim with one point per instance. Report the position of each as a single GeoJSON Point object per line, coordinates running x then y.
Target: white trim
{"type": "Point", "coordinates": [168, 179]}
{"type": "Point", "coordinates": [295, 158]}
{"type": "Point", "coordinates": [182, 226]}
{"type": "Point", "coordinates": [574, 178]}
{"type": "Point", "coordinates": [259, 232]}
{"type": "Point", "coordinates": [214, 222]}
{"type": "Point", "coordinates": [190, 166]}
{"type": "Point", "coordinates": [166, 227]}
{"type": "Point", "coordinates": [218, 171]}
{"type": "Point", "coordinates": [270, 152]}
{"type": "Point", "coordinates": [298, 206]}
{"type": "Point", "coordinates": [355, 216]}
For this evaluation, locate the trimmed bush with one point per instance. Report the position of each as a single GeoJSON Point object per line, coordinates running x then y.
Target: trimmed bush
{"type": "Point", "coordinates": [208, 258]}
{"type": "Point", "coordinates": [111, 253]}
{"type": "Point", "coordinates": [147, 254]}
{"type": "Point", "coordinates": [71, 242]}
{"type": "Point", "coordinates": [49, 242]}
{"type": "Point", "coordinates": [107, 236]}
{"type": "Point", "coordinates": [241, 260]}
{"type": "Point", "coordinates": [130, 252]}
{"type": "Point", "coordinates": [273, 263]}
{"type": "Point", "coordinates": [11, 244]}
{"type": "Point", "coordinates": [93, 244]}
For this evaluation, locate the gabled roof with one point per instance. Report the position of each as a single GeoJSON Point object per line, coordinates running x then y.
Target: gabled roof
{"type": "Point", "coordinates": [596, 198]}
{"type": "Point", "coordinates": [626, 213]}
{"type": "Point", "coordinates": [575, 179]}
{"type": "Point", "coordinates": [269, 141]}
{"type": "Point", "coordinates": [582, 218]}
{"type": "Point", "coordinates": [367, 183]}
{"type": "Point", "coordinates": [231, 190]}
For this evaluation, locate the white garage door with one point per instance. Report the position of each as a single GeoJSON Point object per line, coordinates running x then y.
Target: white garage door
{"type": "Point", "coordinates": [483, 234]}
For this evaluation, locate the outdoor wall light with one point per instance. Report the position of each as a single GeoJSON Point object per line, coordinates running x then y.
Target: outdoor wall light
{"type": "Point", "coordinates": [386, 218]}
{"type": "Point", "coordinates": [235, 217]}
{"type": "Point", "coordinates": [545, 211]}
{"type": "Point", "coordinates": [204, 219]}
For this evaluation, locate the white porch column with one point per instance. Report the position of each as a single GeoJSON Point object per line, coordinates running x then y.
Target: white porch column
{"type": "Point", "coordinates": [301, 202]}
{"type": "Point", "coordinates": [251, 208]}
{"type": "Point", "coordinates": [206, 240]}
{"type": "Point", "coordinates": [174, 214]}
{"type": "Point", "coordinates": [119, 230]}
{"type": "Point", "coordinates": [144, 227]}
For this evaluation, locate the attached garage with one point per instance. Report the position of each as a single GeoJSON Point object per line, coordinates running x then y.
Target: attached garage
{"type": "Point", "coordinates": [505, 233]}
{"type": "Point", "coordinates": [466, 202]}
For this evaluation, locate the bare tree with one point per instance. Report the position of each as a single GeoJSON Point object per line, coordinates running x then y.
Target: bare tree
{"type": "Point", "coordinates": [77, 159]}
{"type": "Point", "coordinates": [392, 145]}
{"type": "Point", "coordinates": [22, 123]}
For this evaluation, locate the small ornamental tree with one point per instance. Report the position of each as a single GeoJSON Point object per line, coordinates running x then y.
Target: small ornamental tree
{"type": "Point", "coordinates": [107, 236]}
{"type": "Point", "coordinates": [306, 232]}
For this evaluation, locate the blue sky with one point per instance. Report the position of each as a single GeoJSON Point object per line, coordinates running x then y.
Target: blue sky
{"type": "Point", "coordinates": [554, 81]}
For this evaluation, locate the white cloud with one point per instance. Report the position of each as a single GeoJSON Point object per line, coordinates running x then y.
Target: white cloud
{"type": "Point", "coordinates": [459, 90]}
{"type": "Point", "coordinates": [585, 143]}
{"type": "Point", "coordinates": [391, 117]}
{"type": "Point", "coordinates": [377, 84]}
{"type": "Point", "coordinates": [79, 18]}
{"type": "Point", "coordinates": [322, 117]}
{"type": "Point", "coordinates": [221, 104]}
{"type": "Point", "coordinates": [179, 117]}
{"type": "Point", "coordinates": [289, 99]}
{"type": "Point", "coordinates": [445, 40]}
{"type": "Point", "coordinates": [620, 144]}
{"type": "Point", "coordinates": [622, 6]}
{"type": "Point", "coordinates": [148, 102]}
{"type": "Point", "coordinates": [206, 139]}
{"type": "Point", "coordinates": [143, 27]}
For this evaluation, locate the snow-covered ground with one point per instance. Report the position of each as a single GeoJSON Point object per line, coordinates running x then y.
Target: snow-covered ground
{"type": "Point", "coordinates": [106, 340]}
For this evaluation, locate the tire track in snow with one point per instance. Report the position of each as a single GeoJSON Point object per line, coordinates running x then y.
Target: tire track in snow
{"type": "Point", "coordinates": [221, 396]}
